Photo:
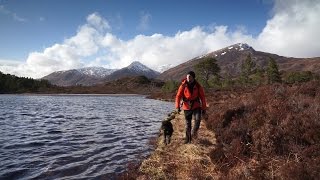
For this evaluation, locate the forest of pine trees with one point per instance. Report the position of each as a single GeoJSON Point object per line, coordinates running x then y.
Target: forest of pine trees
{"type": "Point", "coordinates": [13, 84]}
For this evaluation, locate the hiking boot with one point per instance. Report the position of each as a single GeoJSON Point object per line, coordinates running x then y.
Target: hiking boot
{"type": "Point", "coordinates": [187, 140]}
{"type": "Point", "coordinates": [195, 135]}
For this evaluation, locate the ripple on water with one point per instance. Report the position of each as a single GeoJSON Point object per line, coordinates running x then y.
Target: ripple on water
{"type": "Point", "coordinates": [53, 131]}
{"type": "Point", "coordinates": [74, 137]}
{"type": "Point", "coordinates": [16, 173]}
{"type": "Point", "coordinates": [58, 116]}
{"type": "Point", "coordinates": [25, 145]}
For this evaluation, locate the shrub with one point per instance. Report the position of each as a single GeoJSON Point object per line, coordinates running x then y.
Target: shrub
{"type": "Point", "coordinates": [170, 86]}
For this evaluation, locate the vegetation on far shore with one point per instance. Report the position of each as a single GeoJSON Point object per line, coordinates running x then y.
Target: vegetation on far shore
{"type": "Point", "coordinates": [13, 84]}
{"type": "Point", "coordinates": [10, 84]}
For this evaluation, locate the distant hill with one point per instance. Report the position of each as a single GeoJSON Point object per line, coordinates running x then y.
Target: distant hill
{"type": "Point", "coordinates": [13, 84]}
{"type": "Point", "coordinates": [97, 75]}
{"type": "Point", "coordinates": [134, 69]}
{"type": "Point", "coordinates": [126, 85]}
{"type": "Point", "coordinates": [230, 58]}
{"type": "Point", "coordinates": [84, 76]}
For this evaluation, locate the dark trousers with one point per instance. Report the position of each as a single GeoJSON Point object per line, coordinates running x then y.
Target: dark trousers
{"type": "Point", "coordinates": [188, 116]}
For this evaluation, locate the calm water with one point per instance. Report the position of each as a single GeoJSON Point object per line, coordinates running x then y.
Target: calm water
{"type": "Point", "coordinates": [75, 136]}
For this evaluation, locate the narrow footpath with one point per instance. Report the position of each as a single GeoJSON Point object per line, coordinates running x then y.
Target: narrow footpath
{"type": "Point", "coordinates": [178, 160]}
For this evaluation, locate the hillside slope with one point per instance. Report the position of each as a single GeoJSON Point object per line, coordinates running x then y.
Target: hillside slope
{"type": "Point", "coordinates": [230, 58]}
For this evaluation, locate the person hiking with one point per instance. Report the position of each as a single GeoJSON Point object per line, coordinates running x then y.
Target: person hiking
{"type": "Point", "coordinates": [193, 103]}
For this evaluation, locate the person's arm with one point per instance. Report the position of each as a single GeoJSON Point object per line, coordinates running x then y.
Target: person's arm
{"type": "Point", "coordinates": [178, 97]}
{"type": "Point", "coordinates": [203, 99]}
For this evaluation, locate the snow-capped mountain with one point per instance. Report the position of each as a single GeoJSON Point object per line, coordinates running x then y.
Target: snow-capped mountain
{"type": "Point", "coordinates": [137, 66]}
{"type": "Point", "coordinates": [84, 76]}
{"type": "Point", "coordinates": [229, 49]}
{"type": "Point", "coordinates": [230, 58]}
{"type": "Point", "coordinates": [94, 75]}
{"type": "Point", "coordinates": [98, 72]}
{"type": "Point", "coordinates": [134, 69]}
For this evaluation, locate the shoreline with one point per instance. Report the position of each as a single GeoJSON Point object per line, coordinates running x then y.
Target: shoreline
{"type": "Point", "coordinates": [73, 94]}
{"type": "Point", "coordinates": [177, 160]}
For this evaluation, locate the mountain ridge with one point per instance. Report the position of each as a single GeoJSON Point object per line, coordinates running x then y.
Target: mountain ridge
{"type": "Point", "coordinates": [230, 58]}
{"type": "Point", "coordinates": [89, 76]}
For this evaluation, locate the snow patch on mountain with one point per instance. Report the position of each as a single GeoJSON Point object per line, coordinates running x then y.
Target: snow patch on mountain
{"type": "Point", "coordinates": [164, 67]}
{"type": "Point", "coordinates": [137, 66]}
{"type": "Point", "coordinates": [99, 72]}
{"type": "Point", "coordinates": [232, 48]}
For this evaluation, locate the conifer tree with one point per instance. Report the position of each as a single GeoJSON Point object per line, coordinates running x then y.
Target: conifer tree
{"type": "Point", "coordinates": [247, 69]}
{"type": "Point", "coordinates": [227, 82]}
{"type": "Point", "coordinates": [273, 73]}
{"type": "Point", "coordinates": [206, 68]}
{"type": "Point", "coordinates": [258, 76]}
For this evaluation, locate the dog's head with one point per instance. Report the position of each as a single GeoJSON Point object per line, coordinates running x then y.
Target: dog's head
{"type": "Point", "coordinates": [166, 124]}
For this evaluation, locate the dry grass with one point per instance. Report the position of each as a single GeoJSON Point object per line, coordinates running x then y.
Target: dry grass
{"type": "Point", "coordinates": [181, 161]}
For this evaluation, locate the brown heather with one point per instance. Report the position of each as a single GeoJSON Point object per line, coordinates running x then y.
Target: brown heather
{"type": "Point", "coordinates": [272, 132]}
{"type": "Point", "coordinates": [268, 132]}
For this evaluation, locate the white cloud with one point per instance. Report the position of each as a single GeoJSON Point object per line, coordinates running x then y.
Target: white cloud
{"type": "Point", "coordinates": [145, 19]}
{"type": "Point", "coordinates": [7, 12]}
{"type": "Point", "coordinates": [293, 30]}
{"type": "Point", "coordinates": [96, 21]}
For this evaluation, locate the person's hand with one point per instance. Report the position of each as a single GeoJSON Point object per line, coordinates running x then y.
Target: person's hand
{"type": "Point", "coordinates": [205, 115]}
{"type": "Point", "coordinates": [178, 110]}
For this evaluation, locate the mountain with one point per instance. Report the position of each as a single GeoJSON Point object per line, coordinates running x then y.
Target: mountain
{"type": "Point", "coordinates": [85, 76]}
{"type": "Point", "coordinates": [230, 58]}
{"type": "Point", "coordinates": [98, 72]}
{"type": "Point", "coordinates": [96, 75]}
{"type": "Point", "coordinates": [134, 69]}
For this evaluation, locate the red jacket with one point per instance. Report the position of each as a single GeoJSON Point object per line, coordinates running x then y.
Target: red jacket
{"type": "Point", "coordinates": [196, 99]}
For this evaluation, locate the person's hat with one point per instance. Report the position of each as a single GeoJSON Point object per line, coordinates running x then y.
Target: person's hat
{"type": "Point", "coordinates": [192, 74]}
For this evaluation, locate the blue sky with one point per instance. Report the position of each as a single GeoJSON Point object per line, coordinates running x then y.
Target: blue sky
{"type": "Point", "coordinates": [41, 36]}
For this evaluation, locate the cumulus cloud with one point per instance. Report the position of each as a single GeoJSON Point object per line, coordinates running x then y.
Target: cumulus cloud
{"type": "Point", "coordinates": [96, 21]}
{"type": "Point", "coordinates": [293, 30]}
{"type": "Point", "coordinates": [67, 55]}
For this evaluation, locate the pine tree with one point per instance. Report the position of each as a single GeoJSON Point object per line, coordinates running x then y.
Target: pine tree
{"type": "Point", "coordinates": [273, 73]}
{"type": "Point", "coordinates": [247, 69]}
{"type": "Point", "coordinates": [170, 86]}
{"type": "Point", "coordinates": [206, 68]}
{"type": "Point", "coordinates": [227, 82]}
{"type": "Point", "coordinates": [258, 76]}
